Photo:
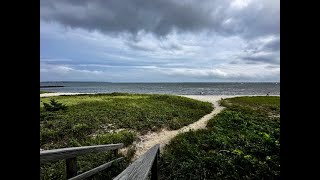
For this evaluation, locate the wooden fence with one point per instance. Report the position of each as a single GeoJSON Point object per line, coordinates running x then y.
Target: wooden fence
{"type": "Point", "coordinates": [143, 168]}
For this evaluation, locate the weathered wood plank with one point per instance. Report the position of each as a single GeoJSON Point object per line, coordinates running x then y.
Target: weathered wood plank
{"type": "Point", "coordinates": [154, 169]}
{"type": "Point", "coordinates": [95, 170]}
{"type": "Point", "coordinates": [65, 153]}
{"type": "Point", "coordinates": [141, 167]}
{"type": "Point", "coordinates": [71, 167]}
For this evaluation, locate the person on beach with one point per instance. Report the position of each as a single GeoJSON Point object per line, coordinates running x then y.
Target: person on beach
{"type": "Point", "coordinates": [201, 93]}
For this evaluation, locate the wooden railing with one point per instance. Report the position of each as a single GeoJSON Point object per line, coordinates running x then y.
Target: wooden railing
{"type": "Point", "coordinates": [143, 168]}
{"type": "Point", "coordinates": [70, 155]}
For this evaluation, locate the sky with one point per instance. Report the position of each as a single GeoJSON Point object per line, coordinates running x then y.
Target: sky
{"type": "Point", "coordinates": [160, 40]}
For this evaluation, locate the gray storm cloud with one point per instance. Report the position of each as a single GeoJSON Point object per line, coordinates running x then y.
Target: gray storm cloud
{"type": "Point", "coordinates": [263, 50]}
{"type": "Point", "coordinates": [161, 17]}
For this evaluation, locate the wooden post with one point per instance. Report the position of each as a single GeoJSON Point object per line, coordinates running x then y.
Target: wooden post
{"type": "Point", "coordinates": [115, 152]}
{"type": "Point", "coordinates": [71, 167]}
{"type": "Point", "coordinates": [154, 168]}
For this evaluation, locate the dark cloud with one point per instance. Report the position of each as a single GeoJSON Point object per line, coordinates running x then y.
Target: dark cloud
{"type": "Point", "coordinates": [160, 17]}
{"type": "Point", "coordinates": [260, 56]}
{"type": "Point", "coordinates": [266, 51]}
{"type": "Point", "coordinates": [273, 45]}
{"type": "Point", "coordinates": [139, 47]}
{"type": "Point", "coordinates": [255, 58]}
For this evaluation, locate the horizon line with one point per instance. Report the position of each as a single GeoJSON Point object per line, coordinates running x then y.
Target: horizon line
{"type": "Point", "coordinates": [165, 82]}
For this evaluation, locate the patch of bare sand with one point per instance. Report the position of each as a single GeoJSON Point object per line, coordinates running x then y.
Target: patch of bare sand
{"type": "Point", "coordinates": [60, 94]}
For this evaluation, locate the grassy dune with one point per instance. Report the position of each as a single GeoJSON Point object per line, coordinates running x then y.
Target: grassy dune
{"type": "Point", "coordinates": [241, 142]}
{"type": "Point", "coordinates": [96, 114]}
{"type": "Point", "coordinates": [93, 119]}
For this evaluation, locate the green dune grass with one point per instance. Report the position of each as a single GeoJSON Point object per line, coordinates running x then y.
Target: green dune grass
{"type": "Point", "coordinates": [241, 142]}
{"type": "Point", "coordinates": [93, 119]}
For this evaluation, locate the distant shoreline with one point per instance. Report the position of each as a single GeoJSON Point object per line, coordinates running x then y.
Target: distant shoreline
{"type": "Point", "coordinates": [156, 82]}
{"type": "Point", "coordinates": [50, 86]}
{"type": "Point", "coordinates": [201, 96]}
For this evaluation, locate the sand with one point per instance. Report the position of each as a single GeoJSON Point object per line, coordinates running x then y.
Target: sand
{"type": "Point", "coordinates": [59, 94]}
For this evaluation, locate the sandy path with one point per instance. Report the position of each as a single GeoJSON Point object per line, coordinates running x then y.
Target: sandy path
{"type": "Point", "coordinates": [164, 136]}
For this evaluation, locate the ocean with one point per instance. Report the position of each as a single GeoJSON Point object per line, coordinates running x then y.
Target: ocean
{"type": "Point", "coordinates": [165, 88]}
